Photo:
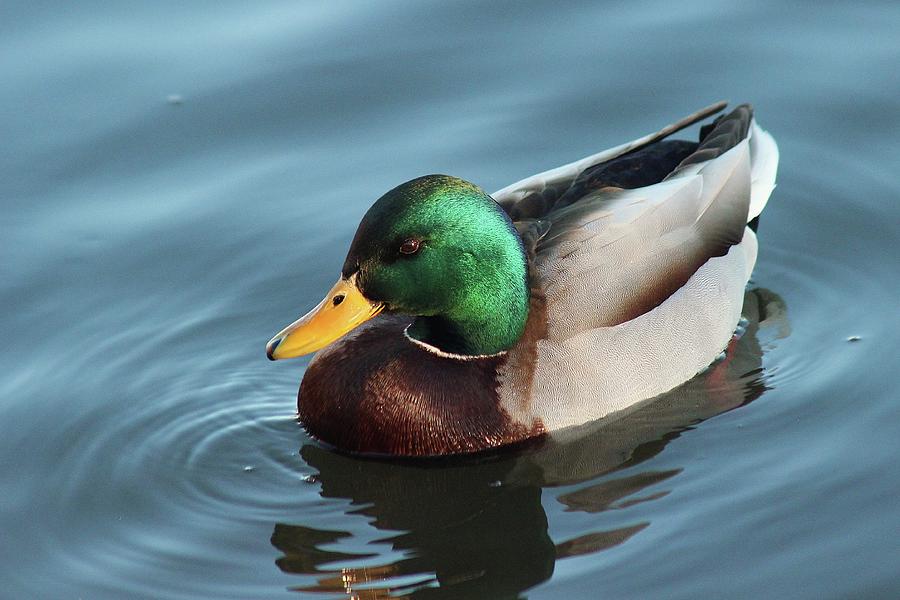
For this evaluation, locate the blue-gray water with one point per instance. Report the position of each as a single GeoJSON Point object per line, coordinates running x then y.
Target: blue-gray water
{"type": "Point", "coordinates": [180, 180]}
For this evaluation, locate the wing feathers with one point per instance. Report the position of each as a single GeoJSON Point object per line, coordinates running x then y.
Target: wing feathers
{"type": "Point", "coordinates": [533, 196]}
{"type": "Point", "coordinates": [617, 254]}
{"type": "Point", "coordinates": [640, 288]}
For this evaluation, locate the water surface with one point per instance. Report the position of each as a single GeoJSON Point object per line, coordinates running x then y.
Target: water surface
{"type": "Point", "coordinates": [178, 181]}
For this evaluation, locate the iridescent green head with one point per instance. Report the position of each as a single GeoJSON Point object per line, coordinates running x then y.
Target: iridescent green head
{"type": "Point", "coordinates": [440, 248]}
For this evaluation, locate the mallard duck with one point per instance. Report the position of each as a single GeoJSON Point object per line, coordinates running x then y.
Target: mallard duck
{"type": "Point", "coordinates": [464, 321]}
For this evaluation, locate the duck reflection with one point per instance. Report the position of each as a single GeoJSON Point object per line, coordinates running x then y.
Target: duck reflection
{"type": "Point", "coordinates": [477, 528]}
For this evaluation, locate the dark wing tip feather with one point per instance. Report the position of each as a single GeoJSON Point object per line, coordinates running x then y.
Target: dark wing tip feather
{"type": "Point", "coordinates": [725, 133]}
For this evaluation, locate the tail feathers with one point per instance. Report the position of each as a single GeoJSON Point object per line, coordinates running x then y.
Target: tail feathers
{"type": "Point", "coordinates": [763, 168]}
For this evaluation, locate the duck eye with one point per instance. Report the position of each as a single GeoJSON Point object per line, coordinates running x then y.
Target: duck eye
{"type": "Point", "coordinates": [410, 246]}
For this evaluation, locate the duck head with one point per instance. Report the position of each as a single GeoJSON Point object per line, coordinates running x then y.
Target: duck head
{"type": "Point", "coordinates": [437, 248]}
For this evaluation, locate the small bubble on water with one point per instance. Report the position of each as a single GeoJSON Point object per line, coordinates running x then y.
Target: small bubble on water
{"type": "Point", "coordinates": [497, 483]}
{"type": "Point", "coordinates": [853, 338]}
{"type": "Point", "coordinates": [249, 468]}
{"type": "Point", "coordinates": [175, 99]}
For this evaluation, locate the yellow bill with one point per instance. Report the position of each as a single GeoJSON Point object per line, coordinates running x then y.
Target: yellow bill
{"type": "Point", "coordinates": [343, 309]}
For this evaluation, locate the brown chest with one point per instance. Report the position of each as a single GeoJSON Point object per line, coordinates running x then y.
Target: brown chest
{"type": "Point", "coordinates": [377, 392]}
